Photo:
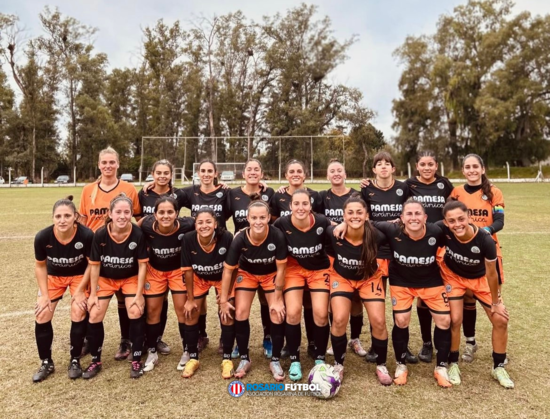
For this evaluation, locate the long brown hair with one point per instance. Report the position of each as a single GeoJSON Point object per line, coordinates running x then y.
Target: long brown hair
{"type": "Point", "coordinates": [485, 184]}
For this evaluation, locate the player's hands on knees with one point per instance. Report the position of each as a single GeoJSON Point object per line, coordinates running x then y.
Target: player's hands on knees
{"type": "Point", "coordinates": [93, 301]}
{"type": "Point", "coordinates": [79, 298]}
{"type": "Point", "coordinates": [278, 308]}
{"type": "Point", "coordinates": [225, 311]}
{"type": "Point", "coordinates": [189, 307]}
{"type": "Point", "coordinates": [42, 303]}
{"type": "Point", "coordinates": [501, 310]}
{"type": "Point", "coordinates": [365, 182]}
{"type": "Point", "coordinates": [139, 302]}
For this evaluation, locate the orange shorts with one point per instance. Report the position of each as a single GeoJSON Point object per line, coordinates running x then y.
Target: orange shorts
{"type": "Point", "coordinates": [456, 286]}
{"type": "Point", "coordinates": [201, 287]}
{"type": "Point", "coordinates": [57, 285]}
{"type": "Point", "coordinates": [370, 289]}
{"type": "Point", "coordinates": [384, 265]}
{"type": "Point", "coordinates": [435, 298]}
{"type": "Point", "coordinates": [107, 287]}
{"type": "Point", "coordinates": [158, 282]}
{"type": "Point", "coordinates": [440, 254]}
{"type": "Point", "coordinates": [297, 278]}
{"type": "Point", "coordinates": [249, 282]}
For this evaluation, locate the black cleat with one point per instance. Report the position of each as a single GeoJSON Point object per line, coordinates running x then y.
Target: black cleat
{"type": "Point", "coordinates": [75, 370]}
{"type": "Point", "coordinates": [371, 356]}
{"type": "Point", "coordinates": [123, 350]}
{"type": "Point", "coordinates": [426, 353]}
{"type": "Point", "coordinates": [92, 370]}
{"type": "Point", "coordinates": [44, 371]}
{"type": "Point", "coordinates": [411, 359]}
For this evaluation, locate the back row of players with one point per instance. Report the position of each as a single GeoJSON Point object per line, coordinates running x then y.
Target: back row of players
{"type": "Point", "coordinates": [299, 252]}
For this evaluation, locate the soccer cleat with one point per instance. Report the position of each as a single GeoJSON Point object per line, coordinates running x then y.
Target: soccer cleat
{"type": "Point", "coordinates": [442, 377]}
{"type": "Point", "coordinates": [202, 343]}
{"type": "Point", "coordinates": [339, 371]}
{"type": "Point", "coordinates": [92, 370]}
{"type": "Point", "coordinates": [355, 345]}
{"type": "Point", "coordinates": [123, 350]}
{"type": "Point", "coordinates": [235, 354]}
{"type": "Point", "coordinates": [46, 368]}
{"type": "Point", "coordinates": [330, 351]}
{"type": "Point", "coordinates": [312, 351]}
{"type": "Point", "coordinates": [285, 352]}
{"type": "Point", "coordinates": [426, 353]}
{"type": "Point", "coordinates": [184, 360]}
{"type": "Point", "coordinates": [411, 359]}
{"type": "Point", "coordinates": [136, 370]}
{"type": "Point", "coordinates": [501, 375]}
{"type": "Point", "coordinates": [151, 361]}
{"type": "Point", "coordinates": [268, 348]}
{"type": "Point", "coordinates": [190, 368]}
{"type": "Point", "coordinates": [383, 375]}
{"type": "Point", "coordinates": [401, 373]}
{"type": "Point", "coordinates": [371, 356]}
{"type": "Point", "coordinates": [243, 368]}
{"type": "Point", "coordinates": [277, 371]}
{"type": "Point", "coordinates": [295, 371]}
{"type": "Point", "coordinates": [227, 369]}
{"type": "Point", "coordinates": [85, 348]}
{"type": "Point", "coordinates": [469, 352]}
{"type": "Point", "coordinates": [163, 348]}
{"type": "Point", "coordinates": [454, 374]}
{"type": "Point", "coordinates": [74, 370]}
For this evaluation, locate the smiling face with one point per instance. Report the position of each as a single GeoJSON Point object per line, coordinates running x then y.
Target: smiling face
{"type": "Point", "coordinates": [162, 174]}
{"type": "Point", "coordinates": [295, 175]}
{"type": "Point", "coordinates": [300, 206]}
{"type": "Point", "coordinates": [63, 218]}
{"type": "Point", "coordinates": [258, 218]}
{"type": "Point", "coordinates": [252, 173]}
{"type": "Point", "coordinates": [205, 224]}
{"type": "Point", "coordinates": [121, 214]}
{"type": "Point", "coordinates": [458, 222]}
{"type": "Point", "coordinates": [207, 173]}
{"type": "Point", "coordinates": [166, 214]}
{"type": "Point", "coordinates": [336, 174]}
{"type": "Point", "coordinates": [413, 217]}
{"type": "Point", "coordinates": [472, 170]}
{"type": "Point", "coordinates": [383, 170]}
{"type": "Point", "coordinates": [355, 215]}
{"type": "Point", "coordinates": [427, 167]}
{"type": "Point", "coordinates": [108, 165]}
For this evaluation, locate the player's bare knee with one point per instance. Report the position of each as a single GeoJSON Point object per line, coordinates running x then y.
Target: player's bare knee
{"type": "Point", "coordinates": [443, 322]}
{"type": "Point", "coordinates": [134, 313]}
{"type": "Point", "coordinates": [77, 314]}
{"type": "Point", "coordinates": [402, 322]}
{"type": "Point", "coordinates": [44, 317]}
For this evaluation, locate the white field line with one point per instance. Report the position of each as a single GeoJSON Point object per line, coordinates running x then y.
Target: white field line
{"type": "Point", "coordinates": [16, 237]}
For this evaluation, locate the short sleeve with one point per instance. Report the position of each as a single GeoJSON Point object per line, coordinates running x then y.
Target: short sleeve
{"type": "Point", "coordinates": [182, 196]}
{"type": "Point", "coordinates": [40, 247]}
{"type": "Point", "coordinates": [141, 249]}
{"type": "Point", "coordinates": [132, 194]}
{"type": "Point", "coordinates": [282, 251]}
{"type": "Point", "coordinates": [498, 198]}
{"type": "Point", "coordinates": [489, 246]}
{"type": "Point", "coordinates": [233, 256]}
{"type": "Point", "coordinates": [185, 252]}
{"type": "Point", "coordinates": [95, 254]}
{"type": "Point", "coordinates": [89, 238]}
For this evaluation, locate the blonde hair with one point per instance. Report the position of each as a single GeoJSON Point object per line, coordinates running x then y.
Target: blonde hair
{"type": "Point", "coordinates": [108, 150]}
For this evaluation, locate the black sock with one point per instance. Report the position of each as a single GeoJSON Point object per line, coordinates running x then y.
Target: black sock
{"type": "Point", "coordinates": [266, 320]}
{"type": "Point", "coordinates": [78, 331]}
{"type": "Point", "coordinates": [192, 339]}
{"type": "Point", "coordinates": [310, 326]}
{"type": "Point", "coordinates": [124, 321]}
{"type": "Point", "coordinates": [339, 344]}
{"type": "Point", "coordinates": [152, 332]}
{"type": "Point", "coordinates": [278, 339]}
{"type": "Point", "coordinates": [442, 343]}
{"type": "Point", "coordinates": [96, 336]}
{"type": "Point", "coordinates": [469, 321]}
{"type": "Point", "coordinates": [322, 334]}
{"type": "Point", "coordinates": [163, 317]}
{"type": "Point", "coordinates": [44, 339]}
{"type": "Point", "coordinates": [498, 359]}
{"type": "Point", "coordinates": [380, 348]}
{"type": "Point", "coordinates": [242, 334]}
{"type": "Point", "coordinates": [400, 338]}
{"type": "Point", "coordinates": [293, 333]}
{"type": "Point", "coordinates": [425, 320]}
{"type": "Point", "coordinates": [453, 357]}
{"type": "Point", "coordinates": [355, 325]}
{"type": "Point", "coordinates": [202, 325]}
{"type": "Point", "coordinates": [228, 338]}
{"type": "Point", "coordinates": [136, 337]}
{"type": "Point", "coordinates": [181, 327]}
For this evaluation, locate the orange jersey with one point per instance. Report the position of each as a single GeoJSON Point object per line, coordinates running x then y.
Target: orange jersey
{"type": "Point", "coordinates": [94, 202]}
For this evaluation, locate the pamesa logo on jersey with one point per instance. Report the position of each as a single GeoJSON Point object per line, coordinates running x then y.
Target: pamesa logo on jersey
{"type": "Point", "coordinates": [271, 247]}
{"type": "Point", "coordinates": [222, 250]}
{"type": "Point", "coordinates": [432, 241]}
{"type": "Point", "coordinates": [399, 192]}
{"type": "Point", "coordinates": [132, 245]}
{"type": "Point", "coordinates": [78, 245]}
{"type": "Point", "coordinates": [475, 249]}
{"type": "Point", "coordinates": [180, 237]}
{"type": "Point", "coordinates": [335, 284]}
{"type": "Point", "coordinates": [320, 231]}
{"type": "Point", "coordinates": [236, 388]}
{"type": "Point", "coordinates": [219, 195]}
{"type": "Point", "coordinates": [265, 198]}
{"type": "Point", "coordinates": [440, 185]}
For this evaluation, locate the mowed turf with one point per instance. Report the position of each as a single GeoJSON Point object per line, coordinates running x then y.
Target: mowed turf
{"type": "Point", "coordinates": [163, 393]}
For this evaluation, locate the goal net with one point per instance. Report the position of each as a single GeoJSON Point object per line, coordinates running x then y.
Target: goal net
{"type": "Point", "coordinates": [227, 172]}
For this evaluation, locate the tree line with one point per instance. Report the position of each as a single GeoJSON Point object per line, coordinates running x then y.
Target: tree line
{"type": "Point", "coordinates": [477, 85]}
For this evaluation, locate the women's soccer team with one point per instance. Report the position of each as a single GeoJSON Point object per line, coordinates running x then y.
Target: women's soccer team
{"type": "Point", "coordinates": [329, 254]}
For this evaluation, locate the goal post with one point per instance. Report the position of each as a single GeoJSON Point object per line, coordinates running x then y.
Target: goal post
{"type": "Point", "coordinates": [228, 172]}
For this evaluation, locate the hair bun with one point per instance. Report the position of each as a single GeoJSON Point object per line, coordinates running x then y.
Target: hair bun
{"type": "Point", "coordinates": [70, 198]}
{"type": "Point", "coordinates": [255, 197]}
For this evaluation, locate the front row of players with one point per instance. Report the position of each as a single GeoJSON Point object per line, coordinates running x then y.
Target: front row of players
{"type": "Point", "coordinates": [436, 262]}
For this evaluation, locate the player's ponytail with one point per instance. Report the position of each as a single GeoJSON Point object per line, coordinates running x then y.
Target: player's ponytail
{"type": "Point", "coordinates": [256, 200]}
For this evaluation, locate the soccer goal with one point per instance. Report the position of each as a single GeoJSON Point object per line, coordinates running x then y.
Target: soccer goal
{"type": "Point", "coordinates": [227, 172]}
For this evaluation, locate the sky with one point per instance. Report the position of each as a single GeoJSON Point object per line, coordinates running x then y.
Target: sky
{"type": "Point", "coordinates": [381, 27]}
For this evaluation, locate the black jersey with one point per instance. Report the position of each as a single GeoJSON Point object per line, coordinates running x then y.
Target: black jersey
{"type": "Point", "coordinates": [308, 248]}
{"type": "Point", "coordinates": [414, 262]}
{"type": "Point", "coordinates": [433, 196]}
{"type": "Point", "coordinates": [258, 259]}
{"type": "Point", "coordinates": [238, 205]}
{"type": "Point", "coordinates": [347, 256]}
{"type": "Point", "coordinates": [467, 259]}
{"type": "Point", "coordinates": [331, 205]}
{"type": "Point", "coordinates": [118, 260]}
{"type": "Point", "coordinates": [64, 259]}
{"type": "Point", "coordinates": [147, 200]}
{"type": "Point", "coordinates": [280, 203]}
{"type": "Point", "coordinates": [206, 265]}
{"type": "Point", "coordinates": [165, 250]}
{"type": "Point", "coordinates": [193, 198]}
{"type": "Point", "coordinates": [385, 205]}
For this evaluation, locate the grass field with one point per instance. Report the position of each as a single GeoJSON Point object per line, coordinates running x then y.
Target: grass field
{"type": "Point", "coordinates": [162, 393]}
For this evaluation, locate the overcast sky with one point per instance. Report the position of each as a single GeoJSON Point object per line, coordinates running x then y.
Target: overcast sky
{"type": "Point", "coordinates": [381, 26]}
